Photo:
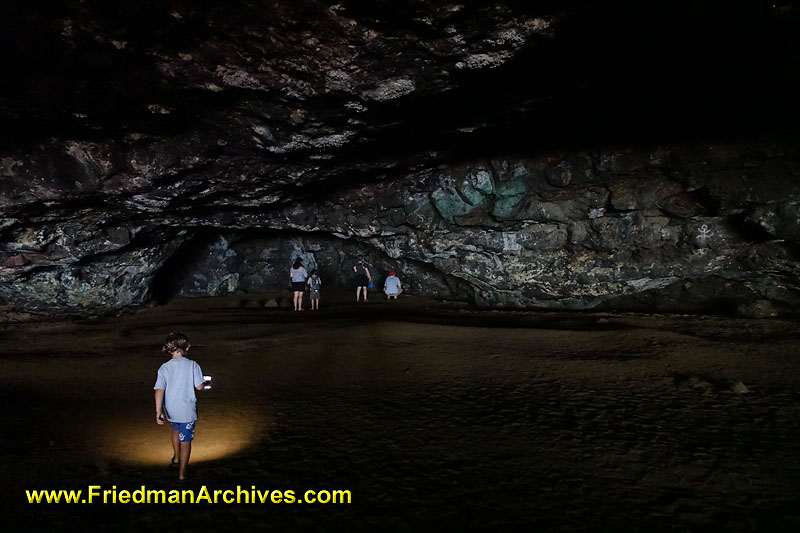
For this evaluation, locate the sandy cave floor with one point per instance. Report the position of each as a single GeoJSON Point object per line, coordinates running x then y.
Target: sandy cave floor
{"type": "Point", "coordinates": [430, 414]}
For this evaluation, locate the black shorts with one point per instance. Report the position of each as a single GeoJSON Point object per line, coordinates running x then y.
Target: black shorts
{"type": "Point", "coordinates": [362, 280]}
{"type": "Point", "coordinates": [298, 286]}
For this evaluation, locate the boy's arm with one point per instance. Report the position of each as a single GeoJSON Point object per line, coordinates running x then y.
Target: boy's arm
{"type": "Point", "coordinates": [160, 418]}
{"type": "Point", "coordinates": [198, 377]}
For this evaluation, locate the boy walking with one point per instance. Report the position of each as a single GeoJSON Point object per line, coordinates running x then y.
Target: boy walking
{"type": "Point", "coordinates": [175, 388]}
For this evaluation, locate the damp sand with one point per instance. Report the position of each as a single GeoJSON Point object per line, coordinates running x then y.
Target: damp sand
{"type": "Point", "coordinates": [432, 415]}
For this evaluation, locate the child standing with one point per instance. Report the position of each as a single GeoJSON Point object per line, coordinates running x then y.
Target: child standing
{"type": "Point", "coordinates": [175, 388]}
{"type": "Point", "coordinates": [315, 284]}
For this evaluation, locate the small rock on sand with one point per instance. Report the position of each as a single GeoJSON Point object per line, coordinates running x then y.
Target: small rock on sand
{"type": "Point", "coordinates": [740, 388]}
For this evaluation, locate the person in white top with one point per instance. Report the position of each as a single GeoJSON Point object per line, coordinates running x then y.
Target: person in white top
{"type": "Point", "coordinates": [298, 275]}
{"type": "Point", "coordinates": [392, 286]}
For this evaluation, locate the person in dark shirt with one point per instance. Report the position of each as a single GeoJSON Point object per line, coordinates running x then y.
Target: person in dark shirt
{"type": "Point", "coordinates": [363, 277]}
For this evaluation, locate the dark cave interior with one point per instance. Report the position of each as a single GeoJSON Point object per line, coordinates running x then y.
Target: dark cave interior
{"type": "Point", "coordinates": [594, 208]}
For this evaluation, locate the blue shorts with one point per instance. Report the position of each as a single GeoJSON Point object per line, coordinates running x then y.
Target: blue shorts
{"type": "Point", "coordinates": [185, 431]}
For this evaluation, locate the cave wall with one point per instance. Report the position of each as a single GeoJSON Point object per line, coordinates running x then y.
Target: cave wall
{"type": "Point", "coordinates": [259, 262]}
{"type": "Point", "coordinates": [696, 227]}
{"type": "Point", "coordinates": [581, 230]}
{"type": "Point", "coordinates": [548, 155]}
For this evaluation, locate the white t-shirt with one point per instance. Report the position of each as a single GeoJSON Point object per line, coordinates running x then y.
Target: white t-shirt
{"type": "Point", "coordinates": [392, 285]}
{"type": "Point", "coordinates": [298, 274]}
{"type": "Point", "coordinates": [178, 378]}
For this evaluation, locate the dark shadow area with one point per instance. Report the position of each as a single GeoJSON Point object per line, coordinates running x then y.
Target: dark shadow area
{"type": "Point", "coordinates": [703, 197]}
{"type": "Point", "coordinates": [585, 429]}
{"type": "Point", "coordinates": [747, 230]}
{"type": "Point", "coordinates": [167, 282]}
{"type": "Point", "coordinates": [620, 72]}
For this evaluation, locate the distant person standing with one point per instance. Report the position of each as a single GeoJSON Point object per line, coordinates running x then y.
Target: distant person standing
{"type": "Point", "coordinates": [298, 275]}
{"type": "Point", "coordinates": [392, 286]}
{"type": "Point", "coordinates": [363, 277]}
{"type": "Point", "coordinates": [175, 398]}
{"type": "Point", "coordinates": [314, 285]}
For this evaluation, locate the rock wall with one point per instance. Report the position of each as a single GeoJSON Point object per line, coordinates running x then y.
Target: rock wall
{"type": "Point", "coordinates": [702, 227]}
{"type": "Point", "coordinates": [259, 262]}
{"type": "Point", "coordinates": [682, 228]}
{"type": "Point", "coordinates": [484, 149]}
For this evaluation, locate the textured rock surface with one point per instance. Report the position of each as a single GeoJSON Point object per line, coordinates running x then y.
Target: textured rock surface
{"type": "Point", "coordinates": [490, 152]}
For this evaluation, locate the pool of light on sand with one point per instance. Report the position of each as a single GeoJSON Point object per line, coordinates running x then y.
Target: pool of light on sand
{"type": "Point", "coordinates": [469, 419]}
{"type": "Point", "coordinates": [219, 433]}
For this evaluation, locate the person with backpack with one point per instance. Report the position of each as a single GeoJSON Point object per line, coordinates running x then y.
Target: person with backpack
{"type": "Point", "coordinates": [363, 277]}
{"type": "Point", "coordinates": [314, 284]}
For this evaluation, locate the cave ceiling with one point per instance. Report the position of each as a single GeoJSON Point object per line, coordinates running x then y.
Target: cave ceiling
{"type": "Point", "coordinates": [261, 99]}
{"type": "Point", "coordinates": [563, 154]}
